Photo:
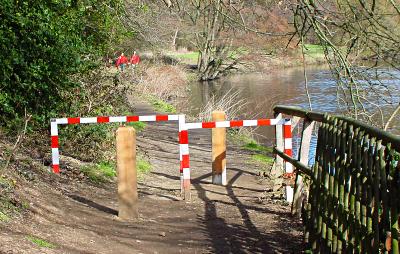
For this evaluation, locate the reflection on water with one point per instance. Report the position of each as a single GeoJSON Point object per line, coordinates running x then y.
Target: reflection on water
{"type": "Point", "coordinates": [262, 91]}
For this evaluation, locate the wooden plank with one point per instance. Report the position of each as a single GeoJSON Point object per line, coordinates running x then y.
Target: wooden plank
{"type": "Point", "coordinates": [375, 216]}
{"type": "Point", "coordinates": [277, 168]}
{"type": "Point", "coordinates": [357, 212]}
{"type": "Point", "coordinates": [394, 211]}
{"type": "Point", "coordinates": [364, 195]}
{"type": "Point", "coordinates": [370, 195]}
{"type": "Point", "coordinates": [342, 167]}
{"type": "Point", "coordinates": [336, 166]}
{"type": "Point", "coordinates": [304, 152]}
{"type": "Point", "coordinates": [385, 216]}
{"type": "Point", "coordinates": [330, 195]}
{"type": "Point", "coordinates": [347, 178]}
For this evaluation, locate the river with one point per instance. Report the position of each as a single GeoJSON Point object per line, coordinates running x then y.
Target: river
{"type": "Point", "coordinates": [260, 92]}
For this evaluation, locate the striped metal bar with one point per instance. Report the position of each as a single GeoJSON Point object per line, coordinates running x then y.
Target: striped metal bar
{"type": "Point", "coordinates": [55, 154]}
{"type": "Point", "coordinates": [235, 123]}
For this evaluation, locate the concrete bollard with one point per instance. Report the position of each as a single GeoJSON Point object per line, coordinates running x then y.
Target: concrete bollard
{"type": "Point", "coordinates": [127, 175]}
{"type": "Point", "coordinates": [219, 150]}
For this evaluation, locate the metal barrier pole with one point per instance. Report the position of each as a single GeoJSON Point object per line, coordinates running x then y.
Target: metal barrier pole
{"type": "Point", "coordinates": [287, 134]}
{"type": "Point", "coordinates": [55, 153]}
{"type": "Point", "coordinates": [184, 158]}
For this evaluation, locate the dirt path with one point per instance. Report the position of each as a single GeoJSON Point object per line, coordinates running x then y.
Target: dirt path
{"type": "Point", "coordinates": [81, 218]}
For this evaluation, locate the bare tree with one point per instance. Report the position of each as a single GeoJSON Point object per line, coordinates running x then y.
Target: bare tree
{"type": "Point", "coordinates": [361, 39]}
{"type": "Point", "coordinates": [211, 23]}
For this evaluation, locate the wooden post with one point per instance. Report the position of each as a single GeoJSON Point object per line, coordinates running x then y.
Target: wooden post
{"type": "Point", "coordinates": [127, 178]}
{"type": "Point", "coordinates": [219, 150]}
{"type": "Point", "coordinates": [277, 167]}
{"type": "Point", "coordinates": [304, 153]}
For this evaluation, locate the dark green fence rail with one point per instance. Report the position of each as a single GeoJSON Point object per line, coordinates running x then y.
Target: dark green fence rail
{"type": "Point", "coordinates": [354, 187]}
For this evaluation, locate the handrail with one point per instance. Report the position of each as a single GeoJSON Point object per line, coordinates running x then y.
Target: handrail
{"type": "Point", "coordinates": [297, 111]}
{"type": "Point", "coordinates": [386, 137]}
{"type": "Point", "coordinates": [297, 164]}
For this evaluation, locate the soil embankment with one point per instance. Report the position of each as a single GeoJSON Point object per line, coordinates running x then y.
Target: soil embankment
{"type": "Point", "coordinates": [79, 217]}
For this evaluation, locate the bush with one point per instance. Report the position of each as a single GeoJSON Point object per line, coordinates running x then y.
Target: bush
{"type": "Point", "coordinates": [42, 43]}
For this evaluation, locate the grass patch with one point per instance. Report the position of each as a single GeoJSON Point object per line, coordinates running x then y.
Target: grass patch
{"type": "Point", "coordinates": [186, 56]}
{"type": "Point", "coordinates": [313, 50]}
{"type": "Point", "coordinates": [138, 126]}
{"type": "Point", "coordinates": [240, 137]}
{"type": "Point", "coordinates": [100, 173]}
{"type": "Point", "coordinates": [143, 166]}
{"type": "Point", "coordinates": [41, 242]}
{"type": "Point", "coordinates": [107, 171]}
{"type": "Point", "coordinates": [4, 217]}
{"type": "Point", "coordinates": [262, 158]}
{"type": "Point", "coordinates": [240, 51]}
{"type": "Point", "coordinates": [254, 146]}
{"type": "Point", "coordinates": [162, 106]}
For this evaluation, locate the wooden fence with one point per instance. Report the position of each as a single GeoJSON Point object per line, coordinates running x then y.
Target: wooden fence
{"type": "Point", "coordinates": [353, 188]}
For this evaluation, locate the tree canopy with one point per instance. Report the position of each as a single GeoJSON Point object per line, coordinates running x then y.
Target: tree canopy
{"type": "Point", "coordinates": [43, 43]}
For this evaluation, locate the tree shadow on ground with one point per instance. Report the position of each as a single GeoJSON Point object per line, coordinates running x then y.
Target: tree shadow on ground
{"type": "Point", "coordinates": [95, 205]}
{"type": "Point", "coordinates": [237, 237]}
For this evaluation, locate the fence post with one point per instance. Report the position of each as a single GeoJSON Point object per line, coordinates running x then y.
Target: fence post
{"type": "Point", "coordinates": [184, 158]}
{"type": "Point", "coordinates": [219, 150]}
{"type": "Point", "coordinates": [304, 153]}
{"type": "Point", "coordinates": [277, 167]}
{"type": "Point", "coordinates": [287, 133]}
{"type": "Point", "coordinates": [127, 178]}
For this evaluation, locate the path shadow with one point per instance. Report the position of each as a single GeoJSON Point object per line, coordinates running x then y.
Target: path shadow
{"type": "Point", "coordinates": [236, 236]}
{"type": "Point", "coordinates": [90, 203]}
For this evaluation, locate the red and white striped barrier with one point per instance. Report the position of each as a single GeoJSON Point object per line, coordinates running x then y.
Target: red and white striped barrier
{"type": "Point", "coordinates": [55, 154]}
{"type": "Point", "coordinates": [287, 129]}
{"type": "Point", "coordinates": [287, 135]}
{"type": "Point", "coordinates": [183, 138]}
{"type": "Point", "coordinates": [184, 156]}
{"type": "Point", "coordinates": [235, 123]}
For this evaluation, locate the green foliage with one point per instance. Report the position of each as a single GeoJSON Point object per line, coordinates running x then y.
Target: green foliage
{"type": "Point", "coordinates": [162, 106]}
{"type": "Point", "coordinates": [4, 217]}
{"type": "Point", "coordinates": [261, 158]}
{"type": "Point", "coordinates": [41, 242]}
{"type": "Point", "coordinates": [190, 57]}
{"type": "Point", "coordinates": [138, 126]}
{"type": "Point", "coordinates": [43, 43]}
{"type": "Point", "coordinates": [100, 173]}
{"type": "Point", "coordinates": [143, 166]}
{"type": "Point", "coordinates": [313, 50]}
{"type": "Point", "coordinates": [240, 137]}
{"type": "Point", "coordinates": [107, 171]}
{"type": "Point", "coordinates": [254, 146]}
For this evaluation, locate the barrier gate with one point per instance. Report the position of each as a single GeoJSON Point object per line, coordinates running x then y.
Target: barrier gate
{"type": "Point", "coordinates": [183, 128]}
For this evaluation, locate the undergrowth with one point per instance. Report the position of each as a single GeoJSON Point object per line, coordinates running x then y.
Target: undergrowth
{"type": "Point", "coordinates": [162, 106]}
{"type": "Point", "coordinates": [262, 155]}
{"type": "Point", "coordinates": [107, 171]}
{"type": "Point", "coordinates": [9, 203]}
{"type": "Point", "coordinates": [41, 242]}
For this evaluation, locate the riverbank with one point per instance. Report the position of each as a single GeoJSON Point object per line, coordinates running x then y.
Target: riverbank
{"type": "Point", "coordinates": [250, 61]}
